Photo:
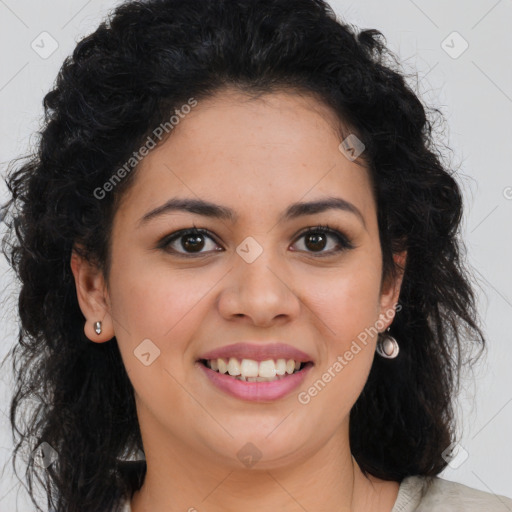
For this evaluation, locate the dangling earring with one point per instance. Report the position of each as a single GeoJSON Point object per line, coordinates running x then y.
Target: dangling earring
{"type": "Point", "coordinates": [97, 327]}
{"type": "Point", "coordinates": [387, 346]}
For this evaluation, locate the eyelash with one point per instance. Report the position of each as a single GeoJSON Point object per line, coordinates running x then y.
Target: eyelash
{"type": "Point", "coordinates": [343, 242]}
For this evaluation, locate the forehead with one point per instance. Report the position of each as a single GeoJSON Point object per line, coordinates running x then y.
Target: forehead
{"type": "Point", "coordinates": [282, 145]}
{"type": "Point", "coordinates": [236, 122]}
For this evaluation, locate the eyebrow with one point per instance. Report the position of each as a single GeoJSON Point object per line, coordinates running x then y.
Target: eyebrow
{"type": "Point", "coordinates": [212, 210]}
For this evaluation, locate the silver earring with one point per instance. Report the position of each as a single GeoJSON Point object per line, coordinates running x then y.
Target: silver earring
{"type": "Point", "coordinates": [97, 327]}
{"type": "Point", "coordinates": [387, 346]}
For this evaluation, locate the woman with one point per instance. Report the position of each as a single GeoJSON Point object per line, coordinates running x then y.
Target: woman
{"type": "Point", "coordinates": [239, 261]}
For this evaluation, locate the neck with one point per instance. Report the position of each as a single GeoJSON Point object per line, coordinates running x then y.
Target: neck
{"type": "Point", "coordinates": [329, 480]}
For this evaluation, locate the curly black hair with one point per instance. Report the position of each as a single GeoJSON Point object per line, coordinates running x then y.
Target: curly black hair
{"type": "Point", "coordinates": [145, 60]}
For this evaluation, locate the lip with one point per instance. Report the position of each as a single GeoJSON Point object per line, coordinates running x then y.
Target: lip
{"type": "Point", "coordinates": [258, 352]}
{"type": "Point", "coordinates": [255, 391]}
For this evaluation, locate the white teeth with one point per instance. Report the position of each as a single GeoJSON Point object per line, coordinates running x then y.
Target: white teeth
{"type": "Point", "coordinates": [223, 367]}
{"type": "Point", "coordinates": [260, 379]}
{"type": "Point", "coordinates": [253, 371]}
{"type": "Point", "coordinates": [268, 369]}
{"type": "Point", "coordinates": [281, 367]}
{"type": "Point", "coordinates": [233, 366]}
{"type": "Point", "coordinates": [249, 368]}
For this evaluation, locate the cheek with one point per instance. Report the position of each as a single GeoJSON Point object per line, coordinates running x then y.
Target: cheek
{"type": "Point", "coordinates": [349, 310]}
{"type": "Point", "coordinates": [155, 302]}
{"type": "Point", "coordinates": [348, 306]}
{"type": "Point", "coordinates": [151, 304]}
{"type": "Point", "coordinates": [348, 303]}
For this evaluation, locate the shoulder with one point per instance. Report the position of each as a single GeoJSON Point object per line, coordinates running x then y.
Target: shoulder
{"type": "Point", "coordinates": [428, 494]}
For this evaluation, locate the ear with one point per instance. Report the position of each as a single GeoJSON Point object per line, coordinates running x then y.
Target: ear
{"type": "Point", "coordinates": [92, 297]}
{"type": "Point", "coordinates": [390, 290]}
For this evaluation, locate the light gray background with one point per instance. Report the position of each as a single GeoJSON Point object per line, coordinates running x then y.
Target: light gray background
{"type": "Point", "coordinates": [474, 92]}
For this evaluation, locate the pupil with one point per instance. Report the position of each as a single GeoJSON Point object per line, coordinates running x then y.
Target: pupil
{"type": "Point", "coordinates": [318, 241]}
{"type": "Point", "coordinates": [197, 242]}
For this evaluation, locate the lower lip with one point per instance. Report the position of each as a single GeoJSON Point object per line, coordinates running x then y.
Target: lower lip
{"type": "Point", "coordinates": [256, 391]}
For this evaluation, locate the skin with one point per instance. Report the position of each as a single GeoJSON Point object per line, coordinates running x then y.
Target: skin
{"type": "Point", "coordinates": [255, 156]}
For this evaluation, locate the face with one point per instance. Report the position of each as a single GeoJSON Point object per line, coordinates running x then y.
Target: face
{"type": "Point", "coordinates": [257, 280]}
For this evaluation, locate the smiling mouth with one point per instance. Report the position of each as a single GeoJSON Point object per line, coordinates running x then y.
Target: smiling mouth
{"type": "Point", "coordinates": [250, 370]}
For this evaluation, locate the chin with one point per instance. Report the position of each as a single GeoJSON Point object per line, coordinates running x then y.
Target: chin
{"type": "Point", "coordinates": [255, 449]}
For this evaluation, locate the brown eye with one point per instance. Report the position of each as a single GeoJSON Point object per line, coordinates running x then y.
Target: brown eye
{"type": "Point", "coordinates": [316, 240]}
{"type": "Point", "coordinates": [192, 243]}
{"type": "Point", "coordinates": [189, 242]}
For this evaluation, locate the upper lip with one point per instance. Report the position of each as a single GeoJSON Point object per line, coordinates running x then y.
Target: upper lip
{"type": "Point", "coordinates": [258, 352]}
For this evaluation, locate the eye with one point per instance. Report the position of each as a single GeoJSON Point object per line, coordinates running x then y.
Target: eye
{"type": "Point", "coordinates": [189, 242]}
{"type": "Point", "coordinates": [316, 239]}
{"type": "Point", "coordinates": [194, 241]}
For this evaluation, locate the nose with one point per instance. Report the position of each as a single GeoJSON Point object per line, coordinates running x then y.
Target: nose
{"type": "Point", "coordinates": [260, 292]}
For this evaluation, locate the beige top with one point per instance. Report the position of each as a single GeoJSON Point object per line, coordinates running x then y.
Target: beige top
{"type": "Point", "coordinates": [427, 494]}
{"type": "Point", "coordinates": [434, 494]}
